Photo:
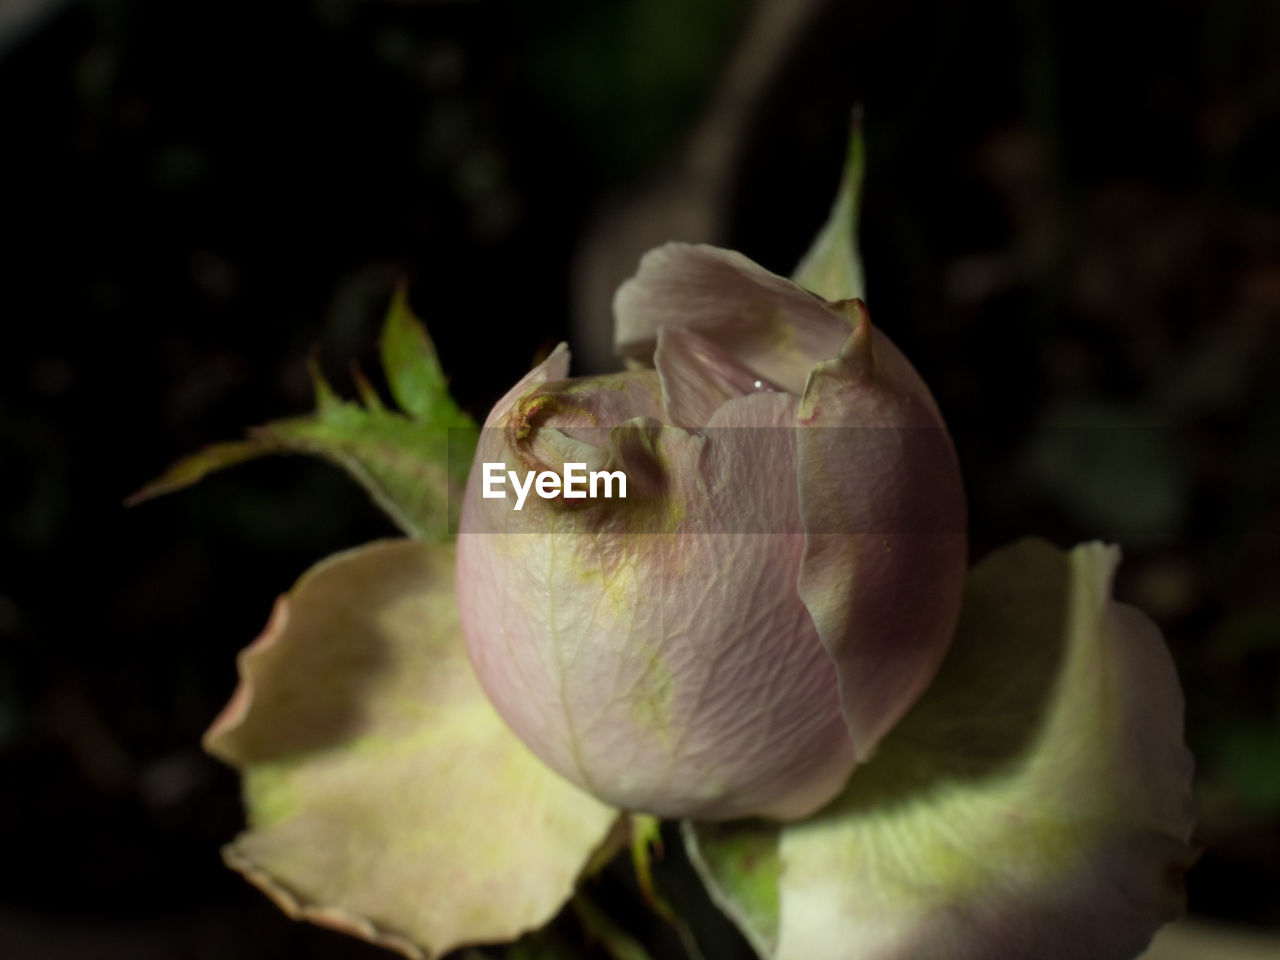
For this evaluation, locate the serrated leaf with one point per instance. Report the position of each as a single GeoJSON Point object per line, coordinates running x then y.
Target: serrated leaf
{"type": "Point", "coordinates": [368, 393]}
{"type": "Point", "coordinates": [197, 466]}
{"type": "Point", "coordinates": [414, 466]}
{"type": "Point", "coordinates": [832, 268]}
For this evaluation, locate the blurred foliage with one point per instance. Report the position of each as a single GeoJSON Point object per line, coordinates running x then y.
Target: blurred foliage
{"type": "Point", "coordinates": [1110, 467]}
{"type": "Point", "coordinates": [629, 74]}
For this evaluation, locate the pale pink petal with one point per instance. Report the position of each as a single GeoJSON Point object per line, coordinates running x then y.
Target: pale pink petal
{"type": "Point", "coordinates": [698, 377]}
{"type": "Point", "coordinates": [884, 519]}
{"type": "Point", "coordinates": [613, 636]}
{"type": "Point", "coordinates": [767, 322]}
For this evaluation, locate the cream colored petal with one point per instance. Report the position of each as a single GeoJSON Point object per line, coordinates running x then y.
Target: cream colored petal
{"type": "Point", "coordinates": [698, 377]}
{"type": "Point", "coordinates": [1035, 803]}
{"type": "Point", "coordinates": [385, 796]}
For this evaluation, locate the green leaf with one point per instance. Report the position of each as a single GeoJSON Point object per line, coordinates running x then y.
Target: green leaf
{"type": "Point", "coordinates": [413, 371]}
{"type": "Point", "coordinates": [414, 464]}
{"type": "Point", "coordinates": [1035, 803]}
{"type": "Point", "coordinates": [832, 268]}
{"type": "Point", "coordinates": [197, 466]}
{"type": "Point", "coordinates": [646, 837]}
{"type": "Point", "coordinates": [646, 840]}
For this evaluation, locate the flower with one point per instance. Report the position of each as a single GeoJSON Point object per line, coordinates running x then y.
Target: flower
{"type": "Point", "coordinates": [766, 608]}
{"type": "Point", "coordinates": [780, 583]}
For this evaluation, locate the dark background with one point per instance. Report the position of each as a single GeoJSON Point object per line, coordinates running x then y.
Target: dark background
{"type": "Point", "coordinates": [1072, 221]}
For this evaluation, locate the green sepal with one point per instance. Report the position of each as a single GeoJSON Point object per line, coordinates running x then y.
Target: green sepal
{"type": "Point", "coordinates": [832, 268]}
{"type": "Point", "coordinates": [646, 837]}
{"type": "Point", "coordinates": [414, 464]}
{"type": "Point", "coordinates": [646, 841]}
{"type": "Point", "coordinates": [413, 371]}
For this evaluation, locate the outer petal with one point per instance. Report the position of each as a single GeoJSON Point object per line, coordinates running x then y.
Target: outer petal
{"type": "Point", "coordinates": [884, 519]}
{"type": "Point", "coordinates": [698, 377]}
{"type": "Point", "coordinates": [554, 367]}
{"type": "Point", "coordinates": [768, 322]}
{"type": "Point", "coordinates": [386, 797]}
{"type": "Point", "coordinates": [654, 650]}
{"type": "Point", "coordinates": [1035, 803]}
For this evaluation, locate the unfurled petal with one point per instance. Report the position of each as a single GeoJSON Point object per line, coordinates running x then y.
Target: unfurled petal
{"type": "Point", "coordinates": [385, 796]}
{"type": "Point", "coordinates": [884, 518]}
{"type": "Point", "coordinates": [698, 377]}
{"type": "Point", "coordinates": [1035, 803]}
{"type": "Point", "coordinates": [767, 322]}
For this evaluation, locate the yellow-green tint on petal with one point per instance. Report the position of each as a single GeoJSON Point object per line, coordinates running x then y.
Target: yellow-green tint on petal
{"type": "Point", "coordinates": [385, 796]}
{"type": "Point", "coordinates": [1035, 802]}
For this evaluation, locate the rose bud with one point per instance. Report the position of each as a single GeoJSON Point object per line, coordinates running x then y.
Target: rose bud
{"type": "Point", "coordinates": [781, 580]}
